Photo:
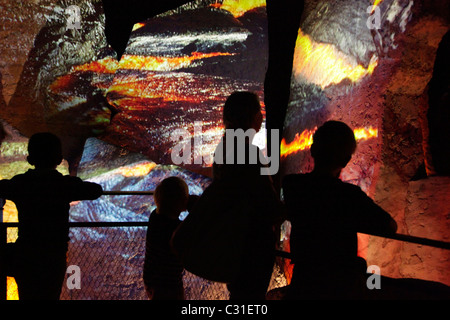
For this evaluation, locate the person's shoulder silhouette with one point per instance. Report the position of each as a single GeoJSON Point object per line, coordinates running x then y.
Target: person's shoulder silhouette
{"type": "Point", "coordinates": [43, 195]}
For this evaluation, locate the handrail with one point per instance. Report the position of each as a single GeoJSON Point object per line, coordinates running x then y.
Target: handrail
{"type": "Point", "coordinates": [414, 239]}
{"type": "Point", "coordinates": [396, 236]}
{"type": "Point", "coordinates": [128, 193]}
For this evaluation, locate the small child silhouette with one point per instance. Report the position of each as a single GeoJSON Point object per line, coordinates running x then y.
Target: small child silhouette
{"type": "Point", "coordinates": [162, 268]}
{"type": "Point", "coordinates": [42, 196]}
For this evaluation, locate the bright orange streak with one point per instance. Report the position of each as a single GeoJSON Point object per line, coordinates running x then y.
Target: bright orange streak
{"type": "Point", "coordinates": [301, 142]}
{"type": "Point", "coordinates": [138, 170]}
{"type": "Point", "coordinates": [105, 65]}
{"type": "Point", "coordinates": [304, 140]}
{"type": "Point", "coordinates": [153, 63]}
{"type": "Point", "coordinates": [323, 64]}
{"type": "Point", "coordinates": [239, 7]}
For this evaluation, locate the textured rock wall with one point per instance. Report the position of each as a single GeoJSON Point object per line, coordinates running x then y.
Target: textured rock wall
{"type": "Point", "coordinates": [402, 158]}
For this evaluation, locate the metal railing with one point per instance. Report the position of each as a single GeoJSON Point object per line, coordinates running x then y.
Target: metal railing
{"type": "Point", "coordinates": [126, 248]}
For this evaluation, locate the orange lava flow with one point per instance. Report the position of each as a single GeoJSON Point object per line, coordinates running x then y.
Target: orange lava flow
{"type": "Point", "coordinates": [301, 141]}
{"type": "Point", "coordinates": [155, 63]}
{"type": "Point", "coordinates": [105, 65]}
{"type": "Point", "coordinates": [304, 140]}
{"type": "Point", "coordinates": [323, 64]}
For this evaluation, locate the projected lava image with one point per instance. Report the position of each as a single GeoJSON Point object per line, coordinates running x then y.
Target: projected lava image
{"type": "Point", "coordinates": [368, 63]}
{"type": "Point", "coordinates": [116, 117]}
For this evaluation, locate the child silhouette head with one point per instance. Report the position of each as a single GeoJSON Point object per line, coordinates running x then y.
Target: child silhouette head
{"type": "Point", "coordinates": [171, 197]}
{"type": "Point", "coordinates": [44, 150]}
{"type": "Point", "coordinates": [333, 145]}
{"type": "Point", "coordinates": [242, 110]}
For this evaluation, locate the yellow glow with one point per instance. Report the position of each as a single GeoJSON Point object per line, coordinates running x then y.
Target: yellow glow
{"type": "Point", "coordinates": [12, 293]}
{"type": "Point", "coordinates": [138, 170]}
{"type": "Point", "coordinates": [138, 26]}
{"type": "Point", "coordinates": [323, 64]}
{"type": "Point", "coordinates": [239, 7]}
{"type": "Point", "coordinates": [365, 133]}
{"type": "Point", "coordinates": [10, 212]}
{"type": "Point", "coordinates": [10, 215]}
{"type": "Point", "coordinates": [376, 3]}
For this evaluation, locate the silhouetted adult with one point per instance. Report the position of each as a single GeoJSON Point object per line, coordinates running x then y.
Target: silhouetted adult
{"type": "Point", "coordinates": [326, 214]}
{"type": "Point", "coordinates": [42, 196]}
{"type": "Point", "coordinates": [242, 175]}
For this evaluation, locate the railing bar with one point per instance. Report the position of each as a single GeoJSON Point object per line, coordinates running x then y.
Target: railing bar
{"type": "Point", "coordinates": [397, 236]}
{"type": "Point", "coordinates": [107, 224]}
{"type": "Point", "coordinates": [127, 193]}
{"type": "Point", "coordinates": [417, 240]}
{"type": "Point", "coordinates": [92, 224]}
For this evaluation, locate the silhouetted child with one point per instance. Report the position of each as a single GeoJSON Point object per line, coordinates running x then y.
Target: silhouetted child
{"type": "Point", "coordinates": [242, 110]}
{"type": "Point", "coordinates": [326, 215]}
{"type": "Point", "coordinates": [42, 196]}
{"type": "Point", "coordinates": [162, 268]}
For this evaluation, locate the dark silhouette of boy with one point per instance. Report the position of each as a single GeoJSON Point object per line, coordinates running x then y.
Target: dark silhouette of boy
{"type": "Point", "coordinates": [163, 271]}
{"type": "Point", "coordinates": [42, 196]}
{"type": "Point", "coordinates": [326, 214]}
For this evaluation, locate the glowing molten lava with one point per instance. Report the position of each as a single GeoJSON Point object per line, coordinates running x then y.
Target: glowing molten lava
{"type": "Point", "coordinates": [154, 63]}
{"type": "Point", "coordinates": [12, 292]}
{"type": "Point", "coordinates": [365, 133]}
{"type": "Point", "coordinates": [301, 142]}
{"type": "Point", "coordinates": [304, 140]}
{"type": "Point", "coordinates": [105, 65]}
{"type": "Point", "coordinates": [323, 64]}
{"type": "Point", "coordinates": [138, 170]}
{"type": "Point", "coordinates": [68, 81]}
{"type": "Point", "coordinates": [239, 7]}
